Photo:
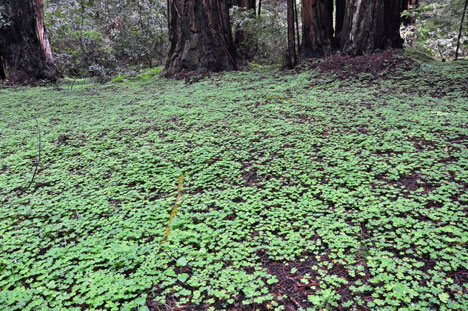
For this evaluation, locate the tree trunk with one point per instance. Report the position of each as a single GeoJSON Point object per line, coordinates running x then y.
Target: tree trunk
{"type": "Point", "coordinates": [317, 27]}
{"type": "Point", "coordinates": [392, 18]}
{"type": "Point", "coordinates": [200, 37]}
{"type": "Point", "coordinates": [2, 70]}
{"type": "Point", "coordinates": [296, 19]}
{"type": "Point", "coordinates": [24, 45]}
{"type": "Point", "coordinates": [369, 25]}
{"type": "Point", "coordinates": [292, 57]}
{"type": "Point", "coordinates": [339, 18]}
{"type": "Point", "coordinates": [362, 27]}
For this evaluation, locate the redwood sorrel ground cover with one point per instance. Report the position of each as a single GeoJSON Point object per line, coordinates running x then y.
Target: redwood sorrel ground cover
{"type": "Point", "coordinates": [324, 188]}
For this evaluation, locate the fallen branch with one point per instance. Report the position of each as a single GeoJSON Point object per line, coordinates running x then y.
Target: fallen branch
{"type": "Point", "coordinates": [175, 208]}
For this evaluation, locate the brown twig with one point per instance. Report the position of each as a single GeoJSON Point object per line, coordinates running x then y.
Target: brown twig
{"type": "Point", "coordinates": [295, 302]}
{"type": "Point", "coordinates": [38, 161]}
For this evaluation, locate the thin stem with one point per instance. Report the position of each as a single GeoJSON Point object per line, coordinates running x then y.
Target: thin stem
{"type": "Point", "coordinates": [461, 29]}
{"type": "Point", "coordinates": [38, 161]}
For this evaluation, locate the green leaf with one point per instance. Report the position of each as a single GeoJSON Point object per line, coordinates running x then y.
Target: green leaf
{"type": "Point", "coordinates": [183, 277]}
{"type": "Point", "coordinates": [170, 272]}
{"type": "Point", "coordinates": [444, 297]}
{"type": "Point", "coordinates": [182, 261]}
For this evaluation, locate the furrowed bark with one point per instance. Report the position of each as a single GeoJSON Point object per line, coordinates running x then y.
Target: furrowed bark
{"type": "Point", "coordinates": [292, 57]}
{"type": "Point", "coordinates": [200, 37]}
{"type": "Point", "coordinates": [340, 14]}
{"type": "Point", "coordinates": [392, 19]}
{"type": "Point", "coordinates": [369, 25]}
{"type": "Point", "coordinates": [25, 47]}
{"type": "Point", "coordinates": [317, 27]}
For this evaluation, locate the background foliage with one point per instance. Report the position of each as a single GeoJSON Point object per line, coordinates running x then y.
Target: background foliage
{"type": "Point", "coordinates": [104, 37]}
{"type": "Point", "coordinates": [436, 28]}
{"type": "Point", "coordinates": [265, 36]}
{"type": "Point", "coordinates": [101, 37]}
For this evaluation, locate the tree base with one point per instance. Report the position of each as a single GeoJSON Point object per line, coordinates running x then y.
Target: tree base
{"type": "Point", "coordinates": [200, 38]}
{"type": "Point", "coordinates": [25, 50]}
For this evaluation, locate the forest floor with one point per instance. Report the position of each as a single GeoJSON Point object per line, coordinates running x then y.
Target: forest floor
{"type": "Point", "coordinates": [342, 185]}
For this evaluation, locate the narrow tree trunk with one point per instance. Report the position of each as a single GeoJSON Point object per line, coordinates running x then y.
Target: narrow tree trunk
{"type": "Point", "coordinates": [461, 29]}
{"type": "Point", "coordinates": [259, 7]}
{"type": "Point", "coordinates": [25, 47]}
{"type": "Point", "coordinates": [370, 25]}
{"type": "Point", "coordinates": [200, 37]}
{"type": "Point", "coordinates": [292, 57]}
{"type": "Point", "coordinates": [317, 27]}
{"type": "Point", "coordinates": [296, 19]}
{"type": "Point", "coordinates": [2, 69]}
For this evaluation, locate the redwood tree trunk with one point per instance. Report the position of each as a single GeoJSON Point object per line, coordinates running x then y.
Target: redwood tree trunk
{"type": "Point", "coordinates": [24, 45]}
{"type": "Point", "coordinates": [292, 57]}
{"type": "Point", "coordinates": [340, 14]}
{"type": "Point", "coordinates": [200, 37]}
{"type": "Point", "coordinates": [296, 20]}
{"type": "Point", "coordinates": [362, 26]}
{"type": "Point", "coordinates": [369, 25]}
{"type": "Point", "coordinates": [392, 18]}
{"type": "Point", "coordinates": [317, 27]}
{"type": "Point", "coordinates": [2, 69]}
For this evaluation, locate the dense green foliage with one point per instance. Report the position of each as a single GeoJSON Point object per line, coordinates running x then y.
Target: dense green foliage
{"type": "Point", "coordinates": [100, 38]}
{"type": "Point", "coordinates": [300, 189]}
